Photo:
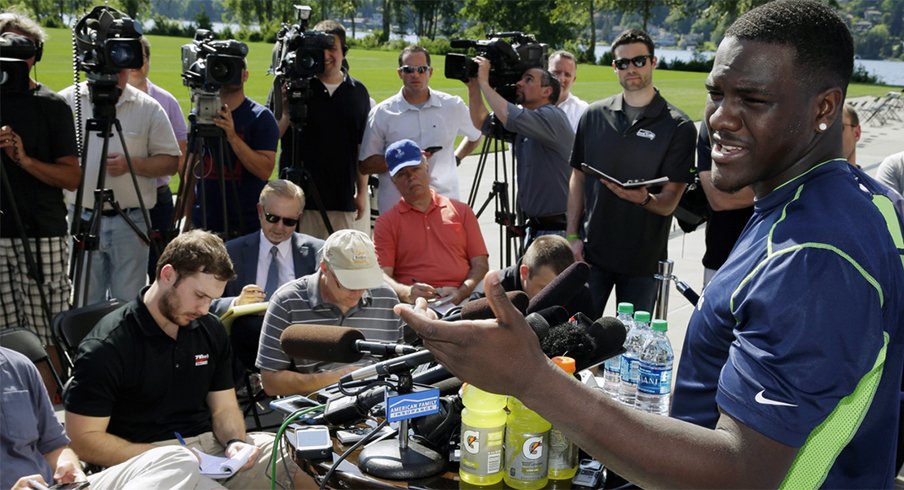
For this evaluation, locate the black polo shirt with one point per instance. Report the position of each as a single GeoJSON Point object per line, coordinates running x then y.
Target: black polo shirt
{"type": "Point", "coordinates": [147, 383]}
{"type": "Point", "coordinates": [622, 237]}
{"type": "Point", "coordinates": [329, 142]}
{"type": "Point", "coordinates": [44, 122]}
{"type": "Point", "coordinates": [724, 227]}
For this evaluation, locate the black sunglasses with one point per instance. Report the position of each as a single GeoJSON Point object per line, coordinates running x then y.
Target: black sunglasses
{"type": "Point", "coordinates": [411, 69]}
{"type": "Point", "coordinates": [272, 218]}
{"type": "Point", "coordinates": [639, 61]}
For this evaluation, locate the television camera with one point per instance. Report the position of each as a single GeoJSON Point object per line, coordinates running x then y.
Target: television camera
{"type": "Point", "coordinates": [510, 55]}
{"type": "Point", "coordinates": [297, 57]}
{"type": "Point", "coordinates": [106, 42]}
{"type": "Point", "coordinates": [208, 65]}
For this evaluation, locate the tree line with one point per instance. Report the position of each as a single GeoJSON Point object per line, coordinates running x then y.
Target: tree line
{"type": "Point", "coordinates": [877, 25]}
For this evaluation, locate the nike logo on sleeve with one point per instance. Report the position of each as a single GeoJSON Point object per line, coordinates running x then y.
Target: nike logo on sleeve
{"type": "Point", "coordinates": [762, 400]}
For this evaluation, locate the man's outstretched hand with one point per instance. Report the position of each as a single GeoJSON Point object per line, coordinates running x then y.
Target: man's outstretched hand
{"type": "Point", "coordinates": [494, 355]}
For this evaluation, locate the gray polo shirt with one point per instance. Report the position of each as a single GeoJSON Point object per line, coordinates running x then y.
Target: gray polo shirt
{"type": "Point", "coordinates": [622, 237]}
{"type": "Point", "coordinates": [300, 301]}
{"type": "Point", "coordinates": [543, 140]}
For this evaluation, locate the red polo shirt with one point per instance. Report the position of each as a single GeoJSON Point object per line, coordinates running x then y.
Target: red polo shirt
{"type": "Point", "coordinates": [433, 247]}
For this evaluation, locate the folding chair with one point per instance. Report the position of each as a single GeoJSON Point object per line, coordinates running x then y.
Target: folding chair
{"type": "Point", "coordinates": [73, 325]}
{"type": "Point", "coordinates": [243, 324]}
{"type": "Point", "coordinates": [27, 343]}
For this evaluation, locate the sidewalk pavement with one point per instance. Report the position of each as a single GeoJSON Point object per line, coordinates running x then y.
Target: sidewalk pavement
{"type": "Point", "coordinates": [685, 249]}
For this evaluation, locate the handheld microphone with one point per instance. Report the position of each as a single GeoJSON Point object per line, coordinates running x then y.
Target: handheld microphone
{"type": "Point", "coordinates": [390, 366]}
{"type": "Point", "coordinates": [330, 343]}
{"type": "Point", "coordinates": [561, 289]}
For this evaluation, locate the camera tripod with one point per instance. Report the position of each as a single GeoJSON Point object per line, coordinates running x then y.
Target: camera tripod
{"type": "Point", "coordinates": [500, 194]}
{"type": "Point", "coordinates": [86, 235]}
{"type": "Point", "coordinates": [298, 93]}
{"type": "Point", "coordinates": [206, 139]}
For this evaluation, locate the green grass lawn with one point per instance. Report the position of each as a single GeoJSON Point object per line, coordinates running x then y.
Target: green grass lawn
{"type": "Point", "coordinates": [377, 70]}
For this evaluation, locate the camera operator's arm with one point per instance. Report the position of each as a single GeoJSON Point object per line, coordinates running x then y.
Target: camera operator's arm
{"type": "Point", "coordinates": [63, 172]}
{"type": "Point", "coordinates": [259, 162]}
{"type": "Point", "coordinates": [496, 101]}
{"type": "Point", "coordinates": [361, 196]}
{"type": "Point", "coordinates": [152, 166]}
{"type": "Point", "coordinates": [478, 110]}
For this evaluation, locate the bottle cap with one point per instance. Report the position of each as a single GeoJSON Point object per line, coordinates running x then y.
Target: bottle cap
{"type": "Point", "coordinates": [660, 326]}
{"type": "Point", "coordinates": [625, 309]}
{"type": "Point", "coordinates": [565, 363]}
{"type": "Point", "coordinates": [642, 316]}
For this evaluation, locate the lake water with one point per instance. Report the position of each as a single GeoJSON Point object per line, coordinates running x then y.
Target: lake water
{"type": "Point", "coordinates": [890, 72]}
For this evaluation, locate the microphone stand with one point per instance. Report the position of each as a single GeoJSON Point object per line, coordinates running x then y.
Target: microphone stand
{"type": "Point", "coordinates": [402, 460]}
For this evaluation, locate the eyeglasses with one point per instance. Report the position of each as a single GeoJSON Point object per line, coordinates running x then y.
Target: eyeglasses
{"type": "Point", "coordinates": [272, 218]}
{"type": "Point", "coordinates": [411, 69]}
{"type": "Point", "coordinates": [638, 61]}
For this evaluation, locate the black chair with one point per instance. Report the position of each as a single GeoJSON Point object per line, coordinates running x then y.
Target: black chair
{"type": "Point", "coordinates": [27, 343]}
{"type": "Point", "coordinates": [73, 325]}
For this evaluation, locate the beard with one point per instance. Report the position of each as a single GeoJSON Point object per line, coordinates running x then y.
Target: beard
{"type": "Point", "coordinates": [169, 308]}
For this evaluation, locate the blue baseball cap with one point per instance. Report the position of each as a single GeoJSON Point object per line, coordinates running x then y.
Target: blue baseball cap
{"type": "Point", "coordinates": [401, 154]}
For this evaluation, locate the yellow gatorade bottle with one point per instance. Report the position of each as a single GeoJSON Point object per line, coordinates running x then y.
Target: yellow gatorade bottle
{"type": "Point", "coordinates": [482, 429]}
{"type": "Point", "coordinates": [526, 447]}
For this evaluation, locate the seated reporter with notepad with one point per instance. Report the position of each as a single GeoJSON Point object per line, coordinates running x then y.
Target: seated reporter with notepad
{"type": "Point", "coordinates": [162, 364]}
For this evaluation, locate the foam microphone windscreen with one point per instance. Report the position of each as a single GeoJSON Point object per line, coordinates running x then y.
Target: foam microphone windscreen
{"type": "Point", "coordinates": [479, 309]}
{"type": "Point", "coordinates": [326, 343]}
{"type": "Point", "coordinates": [560, 290]}
{"type": "Point", "coordinates": [610, 334]}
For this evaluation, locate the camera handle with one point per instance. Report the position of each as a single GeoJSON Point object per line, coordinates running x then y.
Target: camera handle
{"type": "Point", "coordinates": [204, 138]}
{"type": "Point", "coordinates": [85, 237]}
{"type": "Point", "coordinates": [504, 216]}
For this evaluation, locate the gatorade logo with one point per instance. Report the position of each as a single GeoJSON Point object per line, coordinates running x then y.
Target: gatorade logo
{"type": "Point", "coordinates": [532, 448]}
{"type": "Point", "coordinates": [471, 438]}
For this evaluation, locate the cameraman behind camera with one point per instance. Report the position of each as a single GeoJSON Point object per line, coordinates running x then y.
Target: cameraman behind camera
{"type": "Point", "coordinates": [119, 265]}
{"type": "Point", "coordinates": [252, 134]}
{"type": "Point", "coordinates": [38, 150]}
{"type": "Point", "coordinates": [542, 143]}
{"type": "Point", "coordinates": [336, 117]}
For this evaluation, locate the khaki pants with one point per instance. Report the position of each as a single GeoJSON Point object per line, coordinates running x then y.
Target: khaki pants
{"type": "Point", "coordinates": [162, 467]}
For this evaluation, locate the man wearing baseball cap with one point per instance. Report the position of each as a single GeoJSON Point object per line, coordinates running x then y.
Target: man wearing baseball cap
{"type": "Point", "coordinates": [429, 246]}
{"type": "Point", "coordinates": [347, 290]}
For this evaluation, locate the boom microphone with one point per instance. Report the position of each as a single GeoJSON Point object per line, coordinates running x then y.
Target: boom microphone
{"type": "Point", "coordinates": [589, 343]}
{"type": "Point", "coordinates": [330, 343]}
{"type": "Point", "coordinates": [561, 289]}
{"type": "Point", "coordinates": [479, 309]}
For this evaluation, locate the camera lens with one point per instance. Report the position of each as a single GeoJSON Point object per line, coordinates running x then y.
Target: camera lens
{"type": "Point", "coordinates": [122, 54]}
{"type": "Point", "coordinates": [221, 71]}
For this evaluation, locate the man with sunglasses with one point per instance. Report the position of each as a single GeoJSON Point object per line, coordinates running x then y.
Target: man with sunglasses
{"type": "Point", "coordinates": [632, 135]}
{"type": "Point", "coordinates": [346, 290]}
{"type": "Point", "coordinates": [428, 117]}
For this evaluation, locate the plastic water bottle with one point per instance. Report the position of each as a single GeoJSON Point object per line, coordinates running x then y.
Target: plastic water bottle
{"type": "Point", "coordinates": [654, 387]}
{"type": "Point", "coordinates": [526, 447]}
{"type": "Point", "coordinates": [629, 363]}
{"type": "Point", "coordinates": [611, 369]}
{"type": "Point", "coordinates": [563, 454]}
{"type": "Point", "coordinates": [482, 430]}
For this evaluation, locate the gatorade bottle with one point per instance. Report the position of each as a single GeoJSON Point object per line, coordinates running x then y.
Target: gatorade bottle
{"type": "Point", "coordinates": [563, 454]}
{"type": "Point", "coordinates": [526, 447]}
{"type": "Point", "coordinates": [482, 429]}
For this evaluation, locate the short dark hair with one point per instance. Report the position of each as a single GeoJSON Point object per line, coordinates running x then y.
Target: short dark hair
{"type": "Point", "coordinates": [335, 28]}
{"type": "Point", "coordinates": [414, 49]}
{"type": "Point", "coordinates": [552, 251]}
{"type": "Point", "coordinates": [825, 49]}
{"type": "Point", "coordinates": [197, 251]}
{"type": "Point", "coordinates": [547, 79]}
{"type": "Point", "coordinates": [632, 36]}
{"type": "Point", "coordinates": [146, 45]}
